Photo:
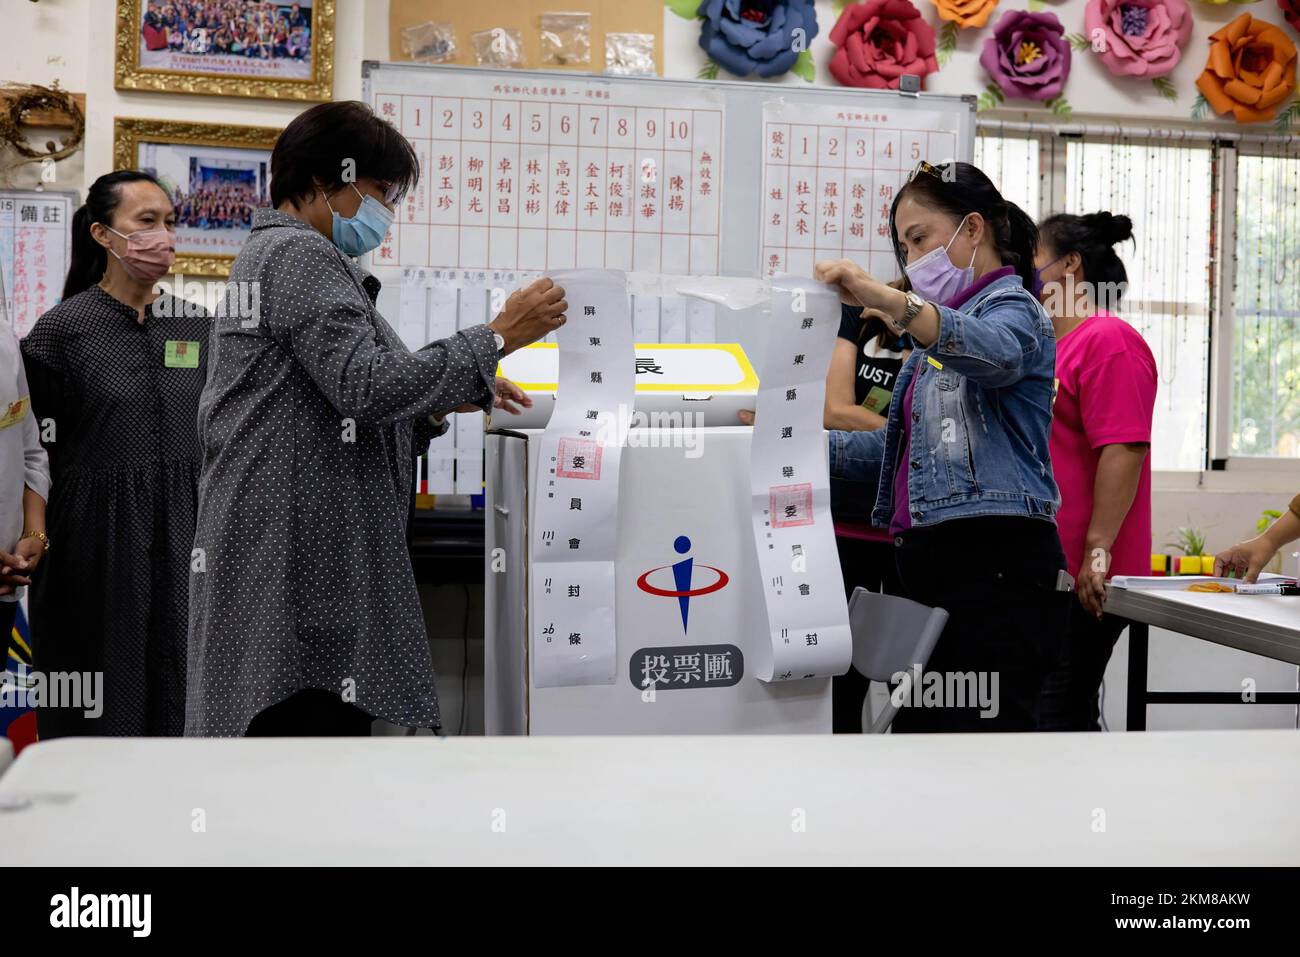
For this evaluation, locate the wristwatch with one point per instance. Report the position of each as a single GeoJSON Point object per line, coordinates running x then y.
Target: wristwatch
{"type": "Point", "coordinates": [914, 305]}
{"type": "Point", "coordinates": [501, 341]}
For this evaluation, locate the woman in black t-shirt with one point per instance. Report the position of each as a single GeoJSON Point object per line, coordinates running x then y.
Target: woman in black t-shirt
{"type": "Point", "coordinates": [864, 365]}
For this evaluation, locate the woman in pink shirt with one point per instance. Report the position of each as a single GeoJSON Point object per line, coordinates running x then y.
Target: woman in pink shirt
{"type": "Point", "coordinates": [1100, 439]}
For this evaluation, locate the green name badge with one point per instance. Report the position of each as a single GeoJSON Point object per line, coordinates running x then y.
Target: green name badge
{"type": "Point", "coordinates": [877, 400]}
{"type": "Point", "coordinates": [181, 354]}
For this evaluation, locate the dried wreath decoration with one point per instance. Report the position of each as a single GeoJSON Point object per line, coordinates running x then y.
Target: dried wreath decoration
{"type": "Point", "coordinates": [23, 99]}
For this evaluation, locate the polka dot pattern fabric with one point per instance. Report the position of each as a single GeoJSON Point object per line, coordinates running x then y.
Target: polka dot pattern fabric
{"type": "Point", "coordinates": [117, 421]}
{"type": "Point", "coordinates": [302, 577]}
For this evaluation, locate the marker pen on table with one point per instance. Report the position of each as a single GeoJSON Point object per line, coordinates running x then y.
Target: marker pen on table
{"type": "Point", "coordinates": [1268, 589]}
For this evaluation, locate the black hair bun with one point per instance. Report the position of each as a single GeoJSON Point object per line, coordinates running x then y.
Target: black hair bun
{"type": "Point", "coordinates": [1109, 228]}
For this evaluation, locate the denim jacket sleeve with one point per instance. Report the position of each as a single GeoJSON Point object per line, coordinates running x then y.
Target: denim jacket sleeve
{"type": "Point", "coordinates": [857, 455]}
{"type": "Point", "coordinates": [990, 347]}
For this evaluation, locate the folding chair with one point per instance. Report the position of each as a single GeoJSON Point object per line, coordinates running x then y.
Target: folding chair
{"type": "Point", "coordinates": [890, 635]}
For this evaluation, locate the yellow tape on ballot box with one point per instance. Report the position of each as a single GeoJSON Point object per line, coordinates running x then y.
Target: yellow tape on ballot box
{"type": "Point", "coordinates": [683, 367]}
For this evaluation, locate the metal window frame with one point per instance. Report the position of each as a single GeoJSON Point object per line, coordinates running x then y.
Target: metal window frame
{"type": "Point", "coordinates": [1249, 467]}
{"type": "Point", "coordinates": [1223, 258]}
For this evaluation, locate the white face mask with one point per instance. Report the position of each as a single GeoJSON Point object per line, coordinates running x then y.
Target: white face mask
{"type": "Point", "coordinates": [936, 277]}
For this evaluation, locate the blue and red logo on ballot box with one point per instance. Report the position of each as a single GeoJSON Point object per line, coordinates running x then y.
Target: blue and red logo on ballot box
{"type": "Point", "coordinates": [683, 575]}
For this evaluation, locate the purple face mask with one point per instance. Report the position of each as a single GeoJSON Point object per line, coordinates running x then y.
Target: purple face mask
{"type": "Point", "coordinates": [1037, 286]}
{"type": "Point", "coordinates": [935, 277]}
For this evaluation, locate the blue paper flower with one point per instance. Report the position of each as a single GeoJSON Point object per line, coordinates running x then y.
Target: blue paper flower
{"type": "Point", "coordinates": [756, 36]}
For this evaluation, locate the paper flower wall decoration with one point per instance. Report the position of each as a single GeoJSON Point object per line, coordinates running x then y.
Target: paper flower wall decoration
{"type": "Point", "coordinates": [965, 13]}
{"type": "Point", "coordinates": [764, 37]}
{"type": "Point", "coordinates": [1028, 55]}
{"type": "Point", "coordinates": [1250, 70]}
{"type": "Point", "coordinates": [1142, 38]}
{"type": "Point", "coordinates": [1291, 10]}
{"type": "Point", "coordinates": [879, 41]}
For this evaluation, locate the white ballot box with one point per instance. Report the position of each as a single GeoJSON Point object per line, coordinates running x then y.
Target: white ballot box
{"type": "Point", "coordinates": [689, 606]}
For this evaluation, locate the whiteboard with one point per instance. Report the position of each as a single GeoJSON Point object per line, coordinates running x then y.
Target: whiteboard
{"type": "Point", "coordinates": [35, 244]}
{"type": "Point", "coordinates": [831, 172]}
{"type": "Point", "coordinates": [693, 157]}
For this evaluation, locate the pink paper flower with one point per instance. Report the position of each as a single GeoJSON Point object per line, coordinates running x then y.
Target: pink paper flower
{"type": "Point", "coordinates": [1291, 10]}
{"type": "Point", "coordinates": [1138, 37]}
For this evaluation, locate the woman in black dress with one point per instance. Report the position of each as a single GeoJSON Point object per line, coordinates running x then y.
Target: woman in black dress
{"type": "Point", "coordinates": [115, 371]}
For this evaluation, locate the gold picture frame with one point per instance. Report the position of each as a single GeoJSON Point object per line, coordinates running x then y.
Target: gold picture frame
{"type": "Point", "coordinates": [166, 74]}
{"type": "Point", "coordinates": [247, 160]}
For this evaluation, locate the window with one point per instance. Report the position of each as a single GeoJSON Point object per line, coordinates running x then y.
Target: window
{"type": "Point", "coordinates": [1265, 304]}
{"type": "Point", "coordinates": [1012, 163]}
{"type": "Point", "coordinates": [1168, 188]}
{"type": "Point", "coordinates": [1165, 191]}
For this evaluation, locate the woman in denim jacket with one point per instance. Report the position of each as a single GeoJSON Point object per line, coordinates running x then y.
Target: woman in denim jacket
{"type": "Point", "coordinates": [961, 471]}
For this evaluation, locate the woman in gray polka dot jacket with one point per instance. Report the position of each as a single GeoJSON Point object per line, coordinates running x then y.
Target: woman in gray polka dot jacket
{"type": "Point", "coordinates": [304, 617]}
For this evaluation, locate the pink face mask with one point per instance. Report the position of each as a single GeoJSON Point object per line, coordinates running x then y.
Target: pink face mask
{"type": "Point", "coordinates": [149, 253]}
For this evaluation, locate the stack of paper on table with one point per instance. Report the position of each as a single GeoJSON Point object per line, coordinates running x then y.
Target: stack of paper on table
{"type": "Point", "coordinates": [1180, 582]}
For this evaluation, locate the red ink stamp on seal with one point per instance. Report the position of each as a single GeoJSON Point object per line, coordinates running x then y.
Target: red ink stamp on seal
{"type": "Point", "coordinates": [579, 459]}
{"type": "Point", "coordinates": [790, 505]}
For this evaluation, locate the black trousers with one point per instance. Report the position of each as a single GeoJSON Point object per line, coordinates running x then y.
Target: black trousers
{"type": "Point", "coordinates": [1070, 699]}
{"type": "Point", "coordinates": [871, 565]}
{"type": "Point", "coordinates": [996, 577]}
{"type": "Point", "coordinates": [8, 612]}
{"type": "Point", "coordinates": [310, 713]}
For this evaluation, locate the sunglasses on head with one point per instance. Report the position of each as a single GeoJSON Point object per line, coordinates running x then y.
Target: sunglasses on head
{"type": "Point", "coordinates": [928, 169]}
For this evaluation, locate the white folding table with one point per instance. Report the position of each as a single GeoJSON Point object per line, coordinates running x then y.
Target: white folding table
{"type": "Point", "coordinates": [1267, 625]}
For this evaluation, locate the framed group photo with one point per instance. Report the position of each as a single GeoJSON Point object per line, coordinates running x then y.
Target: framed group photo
{"type": "Point", "coordinates": [257, 48]}
{"type": "Point", "coordinates": [216, 174]}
